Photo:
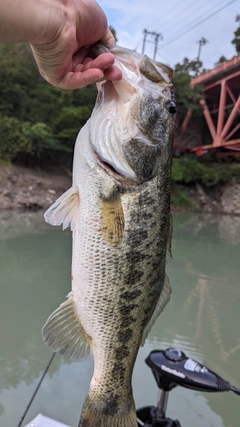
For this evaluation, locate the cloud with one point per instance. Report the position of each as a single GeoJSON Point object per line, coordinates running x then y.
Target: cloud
{"type": "Point", "coordinates": [130, 17]}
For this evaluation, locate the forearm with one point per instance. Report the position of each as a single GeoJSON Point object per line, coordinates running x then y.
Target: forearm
{"type": "Point", "coordinates": [28, 20]}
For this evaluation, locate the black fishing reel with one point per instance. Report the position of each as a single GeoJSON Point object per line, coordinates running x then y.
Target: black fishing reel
{"type": "Point", "coordinates": [172, 368]}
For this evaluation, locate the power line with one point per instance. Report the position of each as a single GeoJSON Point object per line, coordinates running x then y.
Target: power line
{"type": "Point", "coordinates": [189, 28]}
{"type": "Point", "coordinates": [166, 14]}
{"type": "Point", "coordinates": [204, 10]}
{"type": "Point", "coordinates": [170, 25]}
{"type": "Point", "coordinates": [164, 59]}
{"type": "Point", "coordinates": [176, 15]}
{"type": "Point", "coordinates": [136, 48]}
{"type": "Point", "coordinates": [197, 24]}
{"type": "Point", "coordinates": [157, 36]}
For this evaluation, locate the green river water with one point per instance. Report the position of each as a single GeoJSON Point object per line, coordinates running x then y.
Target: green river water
{"type": "Point", "coordinates": [202, 319]}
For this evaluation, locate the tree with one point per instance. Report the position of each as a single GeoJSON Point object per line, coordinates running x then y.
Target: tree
{"type": "Point", "coordinates": [37, 120]}
{"type": "Point", "coordinates": [188, 96]}
{"type": "Point", "coordinates": [113, 31]}
{"type": "Point", "coordinates": [236, 40]}
{"type": "Point", "coordinates": [68, 123]}
{"type": "Point", "coordinates": [221, 60]}
{"type": "Point", "coordinates": [18, 76]}
{"type": "Point", "coordinates": [191, 67]}
{"type": "Point", "coordinates": [14, 138]}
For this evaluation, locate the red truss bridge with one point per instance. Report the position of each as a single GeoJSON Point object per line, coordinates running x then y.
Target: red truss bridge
{"type": "Point", "coordinates": [219, 127]}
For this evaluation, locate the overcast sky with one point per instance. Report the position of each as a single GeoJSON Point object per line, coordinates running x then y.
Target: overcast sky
{"type": "Point", "coordinates": [171, 19]}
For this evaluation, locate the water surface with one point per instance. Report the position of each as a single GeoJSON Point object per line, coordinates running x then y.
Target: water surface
{"type": "Point", "coordinates": [202, 319]}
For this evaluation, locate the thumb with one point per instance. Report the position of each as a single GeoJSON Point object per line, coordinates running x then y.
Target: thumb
{"type": "Point", "coordinates": [109, 38]}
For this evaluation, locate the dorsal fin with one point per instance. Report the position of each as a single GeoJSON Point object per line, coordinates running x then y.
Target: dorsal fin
{"type": "Point", "coordinates": [155, 71]}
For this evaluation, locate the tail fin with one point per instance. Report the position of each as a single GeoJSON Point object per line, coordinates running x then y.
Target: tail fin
{"type": "Point", "coordinates": [108, 414]}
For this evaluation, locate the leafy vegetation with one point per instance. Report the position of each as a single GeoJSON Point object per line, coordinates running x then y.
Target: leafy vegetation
{"type": "Point", "coordinates": [179, 199]}
{"type": "Point", "coordinates": [188, 96]}
{"type": "Point", "coordinates": [221, 60]}
{"type": "Point", "coordinates": [14, 138]}
{"type": "Point", "coordinates": [36, 119]}
{"type": "Point", "coordinates": [188, 170]}
{"type": "Point", "coordinates": [236, 40]}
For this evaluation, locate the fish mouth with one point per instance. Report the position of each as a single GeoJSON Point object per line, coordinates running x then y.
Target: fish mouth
{"type": "Point", "coordinates": [108, 167]}
{"type": "Point", "coordinates": [112, 171]}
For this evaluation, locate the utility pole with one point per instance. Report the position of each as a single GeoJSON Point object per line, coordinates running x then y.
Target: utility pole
{"type": "Point", "coordinates": [157, 37]}
{"type": "Point", "coordinates": [144, 40]}
{"type": "Point", "coordinates": [201, 43]}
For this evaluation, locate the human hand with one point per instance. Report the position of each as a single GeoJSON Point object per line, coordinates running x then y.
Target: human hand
{"type": "Point", "coordinates": [62, 57]}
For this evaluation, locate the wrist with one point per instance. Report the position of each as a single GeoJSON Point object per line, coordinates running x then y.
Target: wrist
{"type": "Point", "coordinates": [52, 18]}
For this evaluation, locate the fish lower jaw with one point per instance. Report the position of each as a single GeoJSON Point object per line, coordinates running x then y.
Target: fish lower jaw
{"type": "Point", "coordinates": [113, 172]}
{"type": "Point", "coordinates": [109, 168]}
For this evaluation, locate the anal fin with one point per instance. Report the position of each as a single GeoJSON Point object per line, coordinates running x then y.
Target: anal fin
{"type": "Point", "coordinates": [162, 302]}
{"type": "Point", "coordinates": [64, 334]}
{"type": "Point", "coordinates": [64, 210]}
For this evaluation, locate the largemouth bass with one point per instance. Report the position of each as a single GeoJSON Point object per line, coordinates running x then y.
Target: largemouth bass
{"type": "Point", "coordinates": [119, 211]}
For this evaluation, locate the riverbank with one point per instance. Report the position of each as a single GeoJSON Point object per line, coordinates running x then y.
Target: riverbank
{"type": "Point", "coordinates": [219, 199]}
{"type": "Point", "coordinates": [28, 189]}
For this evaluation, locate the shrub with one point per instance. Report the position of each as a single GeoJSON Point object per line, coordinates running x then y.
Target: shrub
{"type": "Point", "coordinates": [14, 138]}
{"type": "Point", "coordinates": [188, 170]}
{"type": "Point", "coordinates": [180, 200]}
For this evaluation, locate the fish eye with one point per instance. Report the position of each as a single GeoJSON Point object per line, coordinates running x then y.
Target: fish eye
{"type": "Point", "coordinates": [171, 107]}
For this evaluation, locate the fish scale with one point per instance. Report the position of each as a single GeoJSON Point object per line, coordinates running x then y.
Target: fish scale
{"type": "Point", "coordinates": [119, 211]}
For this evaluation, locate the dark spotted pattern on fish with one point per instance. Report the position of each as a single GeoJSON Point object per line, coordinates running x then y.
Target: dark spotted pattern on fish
{"type": "Point", "coordinates": [153, 121]}
{"type": "Point", "coordinates": [119, 211]}
{"type": "Point", "coordinates": [138, 279]}
{"type": "Point", "coordinates": [142, 161]}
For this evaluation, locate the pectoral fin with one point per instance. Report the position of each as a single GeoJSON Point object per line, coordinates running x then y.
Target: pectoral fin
{"type": "Point", "coordinates": [112, 218]}
{"type": "Point", "coordinates": [64, 334]}
{"type": "Point", "coordinates": [64, 211]}
{"type": "Point", "coordinates": [162, 302]}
